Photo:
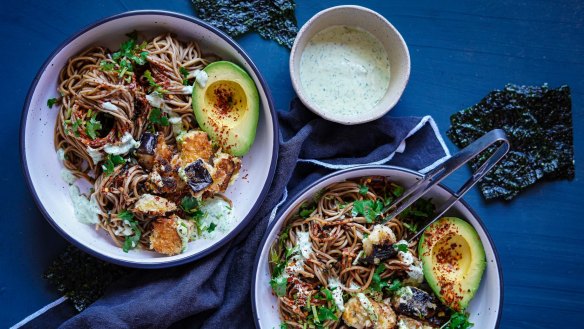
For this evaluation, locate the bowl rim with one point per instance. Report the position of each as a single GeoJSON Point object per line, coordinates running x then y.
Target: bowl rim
{"type": "Point", "coordinates": [334, 174]}
{"type": "Point", "coordinates": [295, 76]}
{"type": "Point", "coordinates": [163, 264]}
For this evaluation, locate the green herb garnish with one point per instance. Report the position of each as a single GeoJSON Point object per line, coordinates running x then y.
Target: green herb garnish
{"type": "Point", "coordinates": [326, 313]}
{"type": "Point", "coordinates": [401, 247]}
{"type": "Point", "coordinates": [152, 83]}
{"type": "Point", "coordinates": [306, 210]}
{"type": "Point", "coordinates": [377, 284]}
{"type": "Point", "coordinates": [279, 285]}
{"type": "Point", "coordinates": [158, 118]}
{"type": "Point", "coordinates": [92, 127]}
{"type": "Point", "coordinates": [75, 127]}
{"type": "Point", "coordinates": [411, 227]}
{"type": "Point", "coordinates": [211, 227]}
{"type": "Point", "coordinates": [107, 65]}
{"type": "Point", "coordinates": [51, 102]}
{"type": "Point", "coordinates": [131, 241]}
{"type": "Point", "coordinates": [111, 161]}
{"type": "Point", "coordinates": [189, 204]}
{"type": "Point", "coordinates": [130, 54]}
{"type": "Point", "coordinates": [185, 73]}
{"type": "Point", "coordinates": [367, 208]}
{"type": "Point", "coordinates": [363, 189]}
{"type": "Point", "coordinates": [394, 286]}
{"type": "Point", "coordinates": [458, 320]}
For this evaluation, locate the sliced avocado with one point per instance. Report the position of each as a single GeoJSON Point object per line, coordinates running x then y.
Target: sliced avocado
{"type": "Point", "coordinates": [227, 107]}
{"type": "Point", "coordinates": [453, 261]}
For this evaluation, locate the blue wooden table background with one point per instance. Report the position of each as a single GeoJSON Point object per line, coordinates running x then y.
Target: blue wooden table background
{"type": "Point", "coordinates": [460, 50]}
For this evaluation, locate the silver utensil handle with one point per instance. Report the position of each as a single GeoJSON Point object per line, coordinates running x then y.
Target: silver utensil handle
{"type": "Point", "coordinates": [462, 157]}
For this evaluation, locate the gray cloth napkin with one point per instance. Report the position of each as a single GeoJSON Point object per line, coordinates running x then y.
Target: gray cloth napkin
{"type": "Point", "coordinates": [214, 292]}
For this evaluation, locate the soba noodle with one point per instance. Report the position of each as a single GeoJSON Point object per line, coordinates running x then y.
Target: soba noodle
{"type": "Point", "coordinates": [107, 95]}
{"type": "Point", "coordinates": [336, 234]}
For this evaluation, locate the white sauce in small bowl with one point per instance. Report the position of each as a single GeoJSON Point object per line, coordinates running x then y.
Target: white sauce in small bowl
{"type": "Point", "coordinates": [344, 70]}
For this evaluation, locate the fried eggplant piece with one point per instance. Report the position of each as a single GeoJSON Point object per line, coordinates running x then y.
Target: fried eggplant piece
{"type": "Point", "coordinates": [165, 238]}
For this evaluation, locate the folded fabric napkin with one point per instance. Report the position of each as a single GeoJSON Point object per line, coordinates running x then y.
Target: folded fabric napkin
{"type": "Point", "coordinates": [214, 292]}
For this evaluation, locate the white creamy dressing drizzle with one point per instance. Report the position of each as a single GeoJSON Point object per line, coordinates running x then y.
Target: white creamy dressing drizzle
{"type": "Point", "coordinates": [414, 270]}
{"type": "Point", "coordinates": [304, 247]}
{"type": "Point", "coordinates": [155, 100]}
{"type": "Point", "coordinates": [61, 154]}
{"type": "Point", "coordinates": [126, 144]}
{"type": "Point", "coordinates": [366, 303]}
{"type": "Point", "coordinates": [344, 70]}
{"type": "Point", "coordinates": [67, 176]}
{"type": "Point", "coordinates": [200, 76]}
{"type": "Point", "coordinates": [86, 211]}
{"type": "Point", "coordinates": [124, 230]}
{"type": "Point", "coordinates": [108, 106]}
{"type": "Point", "coordinates": [177, 126]}
{"type": "Point", "coordinates": [183, 229]}
{"type": "Point", "coordinates": [95, 155]}
{"type": "Point", "coordinates": [186, 90]}
{"type": "Point", "coordinates": [218, 212]}
{"type": "Point", "coordinates": [335, 287]}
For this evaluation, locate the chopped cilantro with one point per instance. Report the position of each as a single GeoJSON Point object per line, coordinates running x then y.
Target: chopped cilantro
{"type": "Point", "coordinates": [284, 236]}
{"type": "Point", "coordinates": [189, 203]}
{"type": "Point", "coordinates": [131, 241]}
{"type": "Point", "coordinates": [211, 227]}
{"type": "Point", "coordinates": [130, 53]}
{"type": "Point", "coordinates": [421, 209]}
{"type": "Point", "coordinates": [279, 285]}
{"type": "Point", "coordinates": [92, 127]}
{"type": "Point", "coordinates": [152, 83]}
{"type": "Point", "coordinates": [51, 102]}
{"type": "Point", "coordinates": [306, 210]}
{"type": "Point", "coordinates": [397, 190]}
{"type": "Point", "coordinates": [401, 247]}
{"type": "Point", "coordinates": [458, 321]}
{"type": "Point", "coordinates": [283, 325]}
{"type": "Point", "coordinates": [394, 286]}
{"type": "Point", "coordinates": [111, 161]}
{"type": "Point", "coordinates": [75, 127]}
{"type": "Point", "coordinates": [125, 214]}
{"type": "Point", "coordinates": [158, 118]}
{"type": "Point", "coordinates": [411, 227]}
{"type": "Point", "coordinates": [377, 284]}
{"type": "Point", "coordinates": [367, 208]}
{"type": "Point", "coordinates": [325, 313]}
{"type": "Point", "coordinates": [185, 73]}
{"type": "Point", "coordinates": [327, 294]}
{"type": "Point", "coordinates": [106, 65]}
{"type": "Point", "coordinates": [363, 189]}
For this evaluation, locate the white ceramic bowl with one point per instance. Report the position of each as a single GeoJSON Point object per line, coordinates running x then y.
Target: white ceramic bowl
{"type": "Point", "coordinates": [485, 308]}
{"type": "Point", "coordinates": [368, 20]}
{"type": "Point", "coordinates": [42, 167]}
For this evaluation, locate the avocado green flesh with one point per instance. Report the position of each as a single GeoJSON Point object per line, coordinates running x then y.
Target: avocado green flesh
{"type": "Point", "coordinates": [453, 261]}
{"type": "Point", "coordinates": [227, 108]}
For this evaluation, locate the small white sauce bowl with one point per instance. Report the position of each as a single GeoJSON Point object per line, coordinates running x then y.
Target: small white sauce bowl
{"type": "Point", "coordinates": [372, 22]}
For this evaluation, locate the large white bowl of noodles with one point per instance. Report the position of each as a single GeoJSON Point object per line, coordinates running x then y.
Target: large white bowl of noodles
{"type": "Point", "coordinates": [485, 307]}
{"type": "Point", "coordinates": [43, 169]}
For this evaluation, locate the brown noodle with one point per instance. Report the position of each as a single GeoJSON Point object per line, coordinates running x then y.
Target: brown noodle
{"type": "Point", "coordinates": [84, 87]}
{"type": "Point", "coordinates": [336, 241]}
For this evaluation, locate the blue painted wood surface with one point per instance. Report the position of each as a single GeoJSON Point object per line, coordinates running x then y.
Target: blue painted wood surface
{"type": "Point", "coordinates": [459, 51]}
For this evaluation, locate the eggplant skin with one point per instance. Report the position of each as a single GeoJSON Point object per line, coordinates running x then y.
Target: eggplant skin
{"type": "Point", "coordinates": [198, 177]}
{"type": "Point", "coordinates": [148, 143]}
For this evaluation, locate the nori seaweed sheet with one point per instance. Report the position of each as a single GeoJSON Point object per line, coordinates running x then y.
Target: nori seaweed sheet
{"type": "Point", "coordinates": [81, 277]}
{"type": "Point", "coordinates": [272, 19]}
{"type": "Point", "coordinates": [538, 122]}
